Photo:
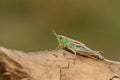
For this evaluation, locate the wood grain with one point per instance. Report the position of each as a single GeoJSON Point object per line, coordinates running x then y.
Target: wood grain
{"type": "Point", "coordinates": [54, 65]}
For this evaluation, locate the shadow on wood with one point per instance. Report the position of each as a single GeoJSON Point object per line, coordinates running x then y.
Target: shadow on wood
{"type": "Point", "coordinates": [54, 65]}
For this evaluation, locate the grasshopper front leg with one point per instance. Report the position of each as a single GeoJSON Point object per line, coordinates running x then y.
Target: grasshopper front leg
{"type": "Point", "coordinates": [59, 47]}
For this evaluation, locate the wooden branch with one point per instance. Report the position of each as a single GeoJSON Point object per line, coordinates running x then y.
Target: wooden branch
{"type": "Point", "coordinates": [54, 65]}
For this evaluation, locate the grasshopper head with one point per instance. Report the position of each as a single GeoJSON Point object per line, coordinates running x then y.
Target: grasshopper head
{"type": "Point", "coordinates": [60, 37]}
{"type": "Point", "coordinates": [62, 40]}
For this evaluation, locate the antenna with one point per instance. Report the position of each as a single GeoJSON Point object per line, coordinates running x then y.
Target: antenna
{"type": "Point", "coordinates": [54, 32]}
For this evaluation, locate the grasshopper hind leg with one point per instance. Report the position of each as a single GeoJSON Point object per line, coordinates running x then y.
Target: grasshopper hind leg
{"type": "Point", "coordinates": [96, 55]}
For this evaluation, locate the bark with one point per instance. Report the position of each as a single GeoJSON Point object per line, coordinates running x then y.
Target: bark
{"type": "Point", "coordinates": [54, 65]}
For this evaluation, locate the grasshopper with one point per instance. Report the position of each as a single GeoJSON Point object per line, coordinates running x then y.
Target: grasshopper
{"type": "Point", "coordinates": [77, 47]}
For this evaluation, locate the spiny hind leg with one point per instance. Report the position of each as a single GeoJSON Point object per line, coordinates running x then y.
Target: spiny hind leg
{"type": "Point", "coordinates": [97, 55]}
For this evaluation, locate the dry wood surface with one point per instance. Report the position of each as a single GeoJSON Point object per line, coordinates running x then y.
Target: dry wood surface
{"type": "Point", "coordinates": [54, 65]}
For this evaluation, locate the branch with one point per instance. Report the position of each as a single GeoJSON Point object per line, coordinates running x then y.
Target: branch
{"type": "Point", "coordinates": [54, 65]}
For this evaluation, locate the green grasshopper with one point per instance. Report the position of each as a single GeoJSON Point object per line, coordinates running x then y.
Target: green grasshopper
{"type": "Point", "coordinates": [77, 47]}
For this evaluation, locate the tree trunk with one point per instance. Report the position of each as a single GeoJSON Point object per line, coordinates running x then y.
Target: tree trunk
{"type": "Point", "coordinates": [54, 65]}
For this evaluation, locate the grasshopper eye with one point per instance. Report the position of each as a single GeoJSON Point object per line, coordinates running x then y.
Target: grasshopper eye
{"type": "Point", "coordinates": [61, 37]}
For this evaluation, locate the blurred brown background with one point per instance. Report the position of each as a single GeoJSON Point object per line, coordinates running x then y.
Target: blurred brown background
{"type": "Point", "coordinates": [26, 24]}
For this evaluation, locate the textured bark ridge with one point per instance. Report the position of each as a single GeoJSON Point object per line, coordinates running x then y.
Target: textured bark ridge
{"type": "Point", "coordinates": [54, 65]}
